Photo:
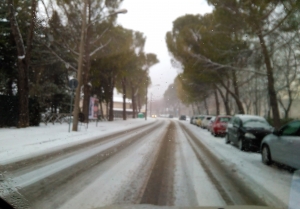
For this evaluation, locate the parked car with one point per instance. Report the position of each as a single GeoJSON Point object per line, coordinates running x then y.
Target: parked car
{"type": "Point", "coordinates": [209, 125]}
{"type": "Point", "coordinates": [199, 120]}
{"type": "Point", "coordinates": [195, 119]}
{"type": "Point", "coordinates": [205, 121]}
{"type": "Point", "coordinates": [283, 146]}
{"type": "Point", "coordinates": [182, 117]}
{"type": "Point", "coordinates": [247, 131]}
{"type": "Point", "coordinates": [219, 125]}
{"type": "Point", "coordinates": [191, 120]}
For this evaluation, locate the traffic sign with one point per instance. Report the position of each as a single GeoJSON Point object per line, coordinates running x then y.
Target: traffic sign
{"type": "Point", "coordinates": [73, 83]}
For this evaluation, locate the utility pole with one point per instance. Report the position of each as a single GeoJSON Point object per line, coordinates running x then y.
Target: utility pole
{"type": "Point", "coordinates": [79, 72]}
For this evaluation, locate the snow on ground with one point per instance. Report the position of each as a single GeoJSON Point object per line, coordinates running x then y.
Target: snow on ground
{"type": "Point", "coordinates": [270, 182]}
{"type": "Point", "coordinates": [121, 178]}
{"type": "Point", "coordinates": [192, 185]}
{"type": "Point", "coordinates": [19, 143]}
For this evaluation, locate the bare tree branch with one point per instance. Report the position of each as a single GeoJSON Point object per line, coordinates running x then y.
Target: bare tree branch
{"type": "Point", "coordinates": [61, 59]}
{"type": "Point", "coordinates": [99, 48]}
{"type": "Point", "coordinates": [46, 10]}
{"type": "Point", "coordinates": [217, 66]}
{"type": "Point", "coordinates": [99, 37]}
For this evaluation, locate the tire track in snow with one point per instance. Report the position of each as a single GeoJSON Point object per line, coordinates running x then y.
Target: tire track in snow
{"type": "Point", "coordinates": [38, 188]}
{"type": "Point", "coordinates": [159, 188]}
{"type": "Point", "coordinates": [230, 186]}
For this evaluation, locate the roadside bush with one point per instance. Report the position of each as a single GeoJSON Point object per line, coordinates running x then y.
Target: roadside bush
{"type": "Point", "coordinates": [9, 111]}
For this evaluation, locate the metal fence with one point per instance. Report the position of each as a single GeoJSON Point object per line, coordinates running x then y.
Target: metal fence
{"type": "Point", "coordinates": [63, 118]}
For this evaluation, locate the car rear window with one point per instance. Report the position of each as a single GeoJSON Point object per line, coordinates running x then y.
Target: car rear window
{"type": "Point", "coordinates": [225, 120]}
{"type": "Point", "coordinates": [256, 123]}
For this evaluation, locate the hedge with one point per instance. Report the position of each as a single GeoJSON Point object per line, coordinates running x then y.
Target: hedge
{"type": "Point", "coordinates": [9, 111]}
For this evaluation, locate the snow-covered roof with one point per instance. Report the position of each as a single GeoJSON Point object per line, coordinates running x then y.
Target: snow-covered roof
{"type": "Point", "coordinates": [118, 97]}
{"type": "Point", "coordinates": [121, 109]}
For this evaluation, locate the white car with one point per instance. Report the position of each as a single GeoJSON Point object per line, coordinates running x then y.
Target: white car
{"type": "Point", "coordinates": [195, 118]}
{"type": "Point", "coordinates": [205, 121]}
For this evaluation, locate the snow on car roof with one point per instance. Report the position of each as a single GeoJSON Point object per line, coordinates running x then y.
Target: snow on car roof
{"type": "Point", "coordinates": [247, 117]}
{"type": "Point", "coordinates": [207, 116]}
{"type": "Point", "coordinates": [224, 116]}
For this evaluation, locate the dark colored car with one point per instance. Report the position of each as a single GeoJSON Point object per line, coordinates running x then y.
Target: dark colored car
{"type": "Point", "coordinates": [219, 125]}
{"type": "Point", "coordinates": [283, 146]}
{"type": "Point", "coordinates": [247, 131]}
{"type": "Point", "coordinates": [191, 120]}
{"type": "Point", "coordinates": [182, 117]}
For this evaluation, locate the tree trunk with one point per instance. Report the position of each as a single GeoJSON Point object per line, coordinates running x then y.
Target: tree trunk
{"type": "Point", "coordinates": [271, 89]}
{"type": "Point", "coordinates": [217, 102]}
{"type": "Point", "coordinates": [124, 98]}
{"type": "Point", "coordinates": [139, 103]}
{"type": "Point", "coordinates": [23, 61]}
{"type": "Point", "coordinates": [286, 115]}
{"type": "Point", "coordinates": [107, 110]}
{"type": "Point", "coordinates": [23, 94]}
{"type": "Point", "coordinates": [193, 108]}
{"type": "Point", "coordinates": [198, 108]}
{"type": "Point", "coordinates": [236, 99]}
{"type": "Point", "coordinates": [79, 71]}
{"type": "Point", "coordinates": [255, 103]}
{"type": "Point", "coordinates": [237, 94]}
{"type": "Point", "coordinates": [101, 109]}
{"type": "Point", "coordinates": [86, 102]}
{"type": "Point", "coordinates": [206, 107]}
{"type": "Point", "coordinates": [133, 102]}
{"type": "Point", "coordinates": [86, 69]}
{"type": "Point", "coordinates": [248, 106]}
{"type": "Point", "coordinates": [111, 104]}
{"type": "Point", "coordinates": [225, 101]}
{"type": "Point", "coordinates": [286, 109]}
{"type": "Point", "coordinates": [100, 103]}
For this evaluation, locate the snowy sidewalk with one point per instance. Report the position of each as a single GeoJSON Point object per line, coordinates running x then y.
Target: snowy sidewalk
{"type": "Point", "coordinates": [17, 143]}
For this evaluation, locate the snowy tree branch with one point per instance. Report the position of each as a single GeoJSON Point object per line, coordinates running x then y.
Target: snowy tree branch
{"type": "Point", "coordinates": [99, 48]}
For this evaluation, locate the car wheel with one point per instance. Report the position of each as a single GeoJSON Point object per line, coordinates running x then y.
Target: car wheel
{"type": "Point", "coordinates": [241, 145]}
{"type": "Point", "coordinates": [266, 155]}
{"type": "Point", "coordinates": [227, 140]}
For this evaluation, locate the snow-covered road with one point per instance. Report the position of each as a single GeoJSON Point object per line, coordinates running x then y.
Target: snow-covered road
{"type": "Point", "coordinates": [160, 162]}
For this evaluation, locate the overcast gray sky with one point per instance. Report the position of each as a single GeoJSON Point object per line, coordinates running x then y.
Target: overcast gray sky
{"type": "Point", "coordinates": [154, 18]}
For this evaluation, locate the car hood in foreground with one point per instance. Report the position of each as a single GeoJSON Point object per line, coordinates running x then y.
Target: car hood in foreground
{"type": "Point", "coordinates": [175, 207]}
